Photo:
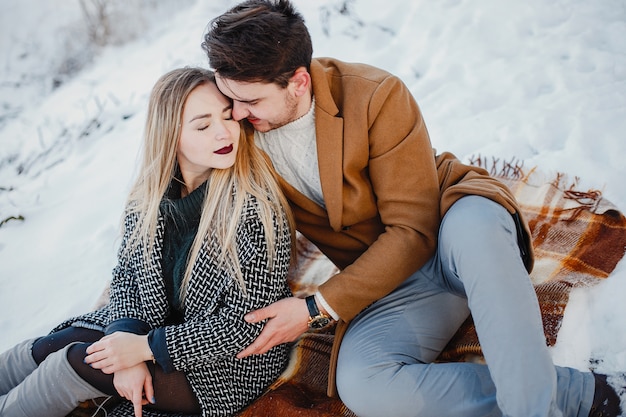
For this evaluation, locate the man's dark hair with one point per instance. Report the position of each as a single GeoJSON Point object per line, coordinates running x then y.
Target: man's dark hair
{"type": "Point", "coordinates": [259, 41]}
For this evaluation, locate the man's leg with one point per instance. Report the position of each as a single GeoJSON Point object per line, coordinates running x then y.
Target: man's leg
{"type": "Point", "coordinates": [480, 258]}
{"type": "Point", "coordinates": [385, 361]}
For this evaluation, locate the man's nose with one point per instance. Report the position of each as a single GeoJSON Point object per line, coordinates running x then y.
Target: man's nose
{"type": "Point", "coordinates": [240, 110]}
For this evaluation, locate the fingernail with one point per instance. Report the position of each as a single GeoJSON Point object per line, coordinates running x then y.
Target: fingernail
{"type": "Point", "coordinates": [153, 400]}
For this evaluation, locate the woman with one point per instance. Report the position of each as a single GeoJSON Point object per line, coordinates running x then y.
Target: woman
{"type": "Point", "coordinates": [207, 238]}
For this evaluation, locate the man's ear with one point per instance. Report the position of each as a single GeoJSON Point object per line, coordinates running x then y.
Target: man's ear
{"type": "Point", "coordinates": [301, 81]}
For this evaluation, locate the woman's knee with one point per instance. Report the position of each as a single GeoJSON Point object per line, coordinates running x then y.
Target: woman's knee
{"type": "Point", "coordinates": [46, 345]}
{"type": "Point", "coordinates": [96, 378]}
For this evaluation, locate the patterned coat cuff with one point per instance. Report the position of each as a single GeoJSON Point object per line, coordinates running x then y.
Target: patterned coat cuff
{"type": "Point", "coordinates": [158, 345]}
{"type": "Point", "coordinates": [128, 325]}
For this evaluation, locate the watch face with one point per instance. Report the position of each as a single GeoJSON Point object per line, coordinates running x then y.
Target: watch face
{"type": "Point", "coordinates": [319, 322]}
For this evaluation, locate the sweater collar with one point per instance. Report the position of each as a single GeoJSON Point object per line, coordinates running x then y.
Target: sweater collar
{"type": "Point", "coordinates": [189, 206]}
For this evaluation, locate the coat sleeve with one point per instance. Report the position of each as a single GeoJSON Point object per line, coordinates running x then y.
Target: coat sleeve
{"type": "Point", "coordinates": [127, 297]}
{"type": "Point", "coordinates": [214, 328]}
{"type": "Point", "coordinates": [401, 176]}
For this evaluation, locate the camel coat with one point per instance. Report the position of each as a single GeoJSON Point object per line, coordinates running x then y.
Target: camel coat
{"type": "Point", "coordinates": [384, 187]}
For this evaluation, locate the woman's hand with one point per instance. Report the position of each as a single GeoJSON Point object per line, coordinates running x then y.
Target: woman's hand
{"type": "Point", "coordinates": [117, 351]}
{"type": "Point", "coordinates": [135, 384]}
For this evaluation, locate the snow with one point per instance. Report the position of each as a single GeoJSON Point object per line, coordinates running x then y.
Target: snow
{"type": "Point", "coordinates": [543, 82]}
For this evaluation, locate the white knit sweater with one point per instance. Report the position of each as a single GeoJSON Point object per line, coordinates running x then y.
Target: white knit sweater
{"type": "Point", "coordinates": [293, 151]}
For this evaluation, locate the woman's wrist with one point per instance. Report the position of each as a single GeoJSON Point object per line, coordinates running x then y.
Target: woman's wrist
{"type": "Point", "coordinates": [148, 355]}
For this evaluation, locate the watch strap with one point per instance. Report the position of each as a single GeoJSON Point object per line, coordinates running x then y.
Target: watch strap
{"type": "Point", "coordinates": [317, 319]}
{"type": "Point", "coordinates": [312, 306]}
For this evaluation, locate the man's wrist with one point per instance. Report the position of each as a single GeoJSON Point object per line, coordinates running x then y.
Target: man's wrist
{"type": "Point", "coordinates": [325, 307]}
{"type": "Point", "coordinates": [317, 319]}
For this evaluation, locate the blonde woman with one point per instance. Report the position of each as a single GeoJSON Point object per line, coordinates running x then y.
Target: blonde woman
{"type": "Point", "coordinates": [206, 239]}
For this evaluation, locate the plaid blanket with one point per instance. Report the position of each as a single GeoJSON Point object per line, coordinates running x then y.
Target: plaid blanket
{"type": "Point", "coordinates": [578, 237]}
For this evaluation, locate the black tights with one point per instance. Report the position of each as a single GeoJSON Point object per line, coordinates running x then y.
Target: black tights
{"type": "Point", "coordinates": [172, 391]}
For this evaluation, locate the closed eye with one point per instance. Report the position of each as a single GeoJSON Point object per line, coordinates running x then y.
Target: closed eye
{"type": "Point", "coordinates": [228, 112]}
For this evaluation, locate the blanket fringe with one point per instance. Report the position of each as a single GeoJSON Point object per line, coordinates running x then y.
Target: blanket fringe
{"type": "Point", "coordinates": [498, 167]}
{"type": "Point", "coordinates": [513, 169]}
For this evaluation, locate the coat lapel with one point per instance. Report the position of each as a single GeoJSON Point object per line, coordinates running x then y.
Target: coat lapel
{"type": "Point", "coordinates": [299, 199]}
{"type": "Point", "coordinates": [329, 136]}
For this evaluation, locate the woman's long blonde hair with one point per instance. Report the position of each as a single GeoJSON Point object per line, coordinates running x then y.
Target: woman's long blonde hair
{"type": "Point", "coordinates": [227, 189]}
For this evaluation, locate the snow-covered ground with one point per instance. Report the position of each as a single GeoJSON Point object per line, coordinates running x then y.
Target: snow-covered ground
{"type": "Point", "coordinates": [543, 82]}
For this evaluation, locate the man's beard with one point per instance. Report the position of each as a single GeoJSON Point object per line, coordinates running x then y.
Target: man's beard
{"type": "Point", "coordinates": [289, 115]}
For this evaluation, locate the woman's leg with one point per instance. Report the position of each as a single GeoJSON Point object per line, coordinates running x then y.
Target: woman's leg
{"type": "Point", "coordinates": [172, 391]}
{"type": "Point", "coordinates": [61, 364]}
{"type": "Point", "coordinates": [54, 389]}
{"type": "Point", "coordinates": [18, 362]}
{"type": "Point", "coordinates": [52, 342]}
{"type": "Point", "coordinates": [15, 365]}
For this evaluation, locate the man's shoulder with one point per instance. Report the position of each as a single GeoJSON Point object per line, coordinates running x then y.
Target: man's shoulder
{"type": "Point", "coordinates": [347, 87]}
{"type": "Point", "coordinates": [339, 68]}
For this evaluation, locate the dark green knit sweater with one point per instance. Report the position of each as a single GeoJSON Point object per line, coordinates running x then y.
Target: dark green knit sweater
{"type": "Point", "coordinates": [182, 217]}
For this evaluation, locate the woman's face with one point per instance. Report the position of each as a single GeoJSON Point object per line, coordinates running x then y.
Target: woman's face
{"type": "Point", "coordinates": [209, 136]}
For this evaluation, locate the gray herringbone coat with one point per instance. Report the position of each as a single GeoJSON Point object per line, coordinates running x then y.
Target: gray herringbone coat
{"type": "Point", "coordinates": [213, 331]}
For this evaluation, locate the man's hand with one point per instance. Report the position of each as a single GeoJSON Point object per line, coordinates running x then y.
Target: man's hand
{"type": "Point", "coordinates": [118, 351]}
{"type": "Point", "coordinates": [135, 384]}
{"type": "Point", "coordinates": [287, 320]}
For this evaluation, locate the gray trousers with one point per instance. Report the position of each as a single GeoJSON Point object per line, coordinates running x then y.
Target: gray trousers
{"type": "Point", "coordinates": [386, 359]}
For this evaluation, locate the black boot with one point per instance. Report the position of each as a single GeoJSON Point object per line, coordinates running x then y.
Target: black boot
{"type": "Point", "coordinates": [606, 402]}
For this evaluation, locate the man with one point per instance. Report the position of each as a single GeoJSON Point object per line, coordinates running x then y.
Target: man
{"type": "Point", "coordinates": [421, 240]}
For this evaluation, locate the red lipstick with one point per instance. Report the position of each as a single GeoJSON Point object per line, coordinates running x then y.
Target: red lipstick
{"type": "Point", "coordinates": [225, 150]}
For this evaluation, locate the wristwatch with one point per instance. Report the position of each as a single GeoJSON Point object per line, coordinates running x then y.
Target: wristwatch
{"type": "Point", "coordinates": [317, 319]}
